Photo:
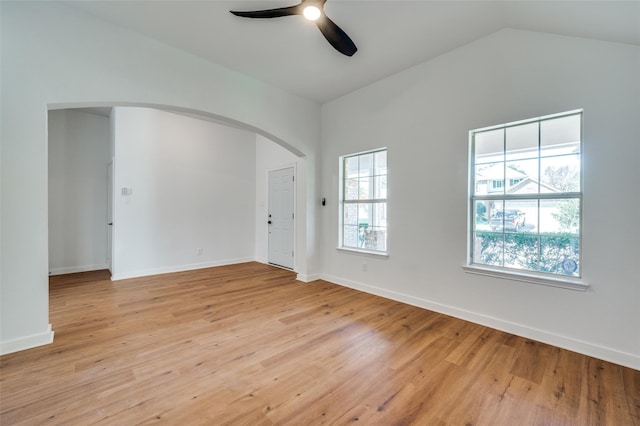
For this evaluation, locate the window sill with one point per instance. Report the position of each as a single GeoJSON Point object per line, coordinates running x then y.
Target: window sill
{"type": "Point", "coordinates": [570, 283]}
{"type": "Point", "coordinates": [378, 254]}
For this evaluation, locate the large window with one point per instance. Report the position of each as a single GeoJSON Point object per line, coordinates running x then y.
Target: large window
{"type": "Point", "coordinates": [526, 195]}
{"type": "Point", "coordinates": [363, 201]}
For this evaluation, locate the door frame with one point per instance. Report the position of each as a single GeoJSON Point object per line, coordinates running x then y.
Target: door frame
{"type": "Point", "coordinates": [295, 213]}
{"type": "Point", "coordinates": [110, 203]}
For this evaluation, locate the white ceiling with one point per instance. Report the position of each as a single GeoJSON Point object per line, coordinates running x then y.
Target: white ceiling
{"type": "Point", "coordinates": [391, 35]}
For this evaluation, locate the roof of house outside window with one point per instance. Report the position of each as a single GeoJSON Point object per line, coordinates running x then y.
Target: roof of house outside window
{"type": "Point", "coordinates": [497, 172]}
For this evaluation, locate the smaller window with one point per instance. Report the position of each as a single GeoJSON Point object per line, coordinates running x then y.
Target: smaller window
{"type": "Point", "coordinates": [363, 201]}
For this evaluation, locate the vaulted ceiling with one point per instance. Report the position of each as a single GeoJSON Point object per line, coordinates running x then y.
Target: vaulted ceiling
{"type": "Point", "coordinates": [291, 53]}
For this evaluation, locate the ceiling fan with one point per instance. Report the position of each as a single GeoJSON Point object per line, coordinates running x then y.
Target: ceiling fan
{"type": "Point", "coordinates": [313, 11]}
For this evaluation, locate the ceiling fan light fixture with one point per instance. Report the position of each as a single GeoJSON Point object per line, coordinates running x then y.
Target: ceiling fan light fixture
{"type": "Point", "coordinates": [311, 13]}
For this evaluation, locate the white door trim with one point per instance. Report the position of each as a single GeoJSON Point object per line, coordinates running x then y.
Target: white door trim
{"type": "Point", "coordinates": [110, 199]}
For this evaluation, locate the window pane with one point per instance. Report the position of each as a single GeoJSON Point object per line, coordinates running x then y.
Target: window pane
{"type": "Point", "coordinates": [560, 174]}
{"type": "Point", "coordinates": [366, 165]}
{"type": "Point", "coordinates": [351, 167]}
{"type": "Point", "coordinates": [559, 255]}
{"type": "Point", "coordinates": [511, 219]}
{"type": "Point", "coordinates": [350, 236]}
{"type": "Point", "coordinates": [529, 209]}
{"type": "Point", "coordinates": [489, 179]}
{"type": "Point", "coordinates": [380, 161]}
{"type": "Point", "coordinates": [364, 188]}
{"type": "Point", "coordinates": [380, 187]}
{"type": "Point", "coordinates": [521, 251]}
{"type": "Point", "coordinates": [560, 132]}
{"type": "Point", "coordinates": [379, 215]}
{"type": "Point", "coordinates": [488, 248]}
{"type": "Point", "coordinates": [376, 239]}
{"type": "Point", "coordinates": [481, 210]}
{"type": "Point", "coordinates": [522, 141]}
{"type": "Point", "coordinates": [364, 215]}
{"type": "Point", "coordinates": [350, 214]}
{"type": "Point", "coordinates": [521, 177]}
{"type": "Point", "coordinates": [489, 146]}
{"type": "Point", "coordinates": [495, 218]}
{"type": "Point", "coordinates": [351, 189]}
{"type": "Point", "coordinates": [560, 216]}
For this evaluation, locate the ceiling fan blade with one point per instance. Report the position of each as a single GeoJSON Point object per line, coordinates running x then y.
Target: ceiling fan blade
{"type": "Point", "coordinates": [336, 36]}
{"type": "Point", "coordinates": [269, 13]}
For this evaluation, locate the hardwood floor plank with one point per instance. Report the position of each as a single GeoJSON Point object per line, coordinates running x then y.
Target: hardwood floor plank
{"type": "Point", "coordinates": [605, 400]}
{"type": "Point", "coordinates": [631, 385]}
{"type": "Point", "coordinates": [561, 387]}
{"type": "Point", "coordinates": [531, 360]}
{"type": "Point", "coordinates": [247, 344]}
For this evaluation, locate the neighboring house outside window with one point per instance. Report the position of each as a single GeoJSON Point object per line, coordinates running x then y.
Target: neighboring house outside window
{"type": "Point", "coordinates": [533, 224]}
{"type": "Point", "coordinates": [363, 201]}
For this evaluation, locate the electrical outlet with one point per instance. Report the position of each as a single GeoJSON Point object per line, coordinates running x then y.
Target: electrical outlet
{"type": "Point", "coordinates": [364, 266]}
{"type": "Point", "coordinates": [199, 252]}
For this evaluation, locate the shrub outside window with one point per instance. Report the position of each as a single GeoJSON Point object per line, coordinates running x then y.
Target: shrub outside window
{"type": "Point", "coordinates": [363, 201]}
{"type": "Point", "coordinates": [526, 195]}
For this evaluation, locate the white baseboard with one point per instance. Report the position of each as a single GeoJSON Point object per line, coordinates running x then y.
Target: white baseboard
{"type": "Point", "coordinates": [308, 278]}
{"type": "Point", "coordinates": [74, 269]}
{"type": "Point", "coordinates": [586, 348]}
{"type": "Point", "coordinates": [27, 342]}
{"type": "Point", "coordinates": [178, 268]}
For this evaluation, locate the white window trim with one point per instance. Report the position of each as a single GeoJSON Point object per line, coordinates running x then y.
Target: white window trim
{"type": "Point", "coordinates": [571, 283]}
{"type": "Point", "coordinates": [355, 250]}
{"type": "Point", "coordinates": [541, 278]}
{"type": "Point", "coordinates": [371, 253]}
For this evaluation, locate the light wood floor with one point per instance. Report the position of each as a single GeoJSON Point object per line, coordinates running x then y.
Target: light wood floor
{"type": "Point", "coordinates": [248, 345]}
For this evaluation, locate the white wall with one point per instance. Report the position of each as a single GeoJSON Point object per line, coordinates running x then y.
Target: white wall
{"type": "Point", "coordinates": [423, 116]}
{"type": "Point", "coordinates": [56, 57]}
{"type": "Point", "coordinates": [269, 156]}
{"type": "Point", "coordinates": [78, 157]}
{"type": "Point", "coordinates": [193, 193]}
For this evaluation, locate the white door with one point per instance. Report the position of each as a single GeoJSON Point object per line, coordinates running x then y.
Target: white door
{"type": "Point", "coordinates": [281, 217]}
{"type": "Point", "coordinates": [109, 214]}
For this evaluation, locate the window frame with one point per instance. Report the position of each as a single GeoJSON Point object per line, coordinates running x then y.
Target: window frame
{"type": "Point", "coordinates": [505, 272]}
{"type": "Point", "coordinates": [342, 201]}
